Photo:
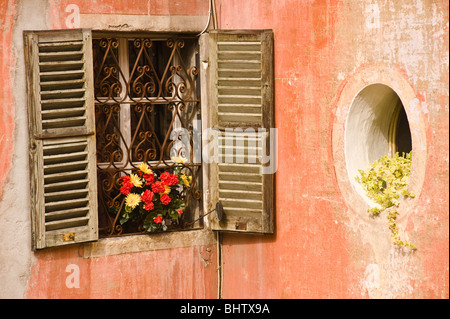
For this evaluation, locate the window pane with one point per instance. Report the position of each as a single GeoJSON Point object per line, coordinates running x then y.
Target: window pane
{"type": "Point", "coordinates": [147, 63]}
{"type": "Point", "coordinates": [106, 68]}
{"type": "Point", "coordinates": [107, 123]}
{"type": "Point", "coordinates": [146, 104]}
{"type": "Point", "coordinates": [150, 125]}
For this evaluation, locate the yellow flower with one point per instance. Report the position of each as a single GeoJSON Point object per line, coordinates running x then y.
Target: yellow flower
{"type": "Point", "coordinates": [145, 169]}
{"type": "Point", "coordinates": [166, 189]}
{"type": "Point", "coordinates": [132, 200]}
{"type": "Point", "coordinates": [179, 160]}
{"type": "Point", "coordinates": [135, 180]}
{"type": "Point", "coordinates": [186, 179]}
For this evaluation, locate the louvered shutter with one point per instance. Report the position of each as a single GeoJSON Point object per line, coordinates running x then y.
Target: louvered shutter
{"type": "Point", "coordinates": [62, 137]}
{"type": "Point", "coordinates": [241, 112]}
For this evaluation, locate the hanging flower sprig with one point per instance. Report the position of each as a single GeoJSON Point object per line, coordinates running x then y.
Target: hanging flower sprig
{"type": "Point", "coordinates": [386, 181]}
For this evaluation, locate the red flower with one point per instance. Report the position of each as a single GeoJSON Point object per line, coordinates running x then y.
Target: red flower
{"type": "Point", "coordinates": [149, 178]}
{"type": "Point", "coordinates": [164, 176]}
{"type": "Point", "coordinates": [169, 179]}
{"type": "Point", "coordinates": [165, 199]}
{"type": "Point", "coordinates": [180, 211]}
{"type": "Point", "coordinates": [149, 206]}
{"type": "Point", "coordinates": [158, 187]}
{"type": "Point", "coordinates": [158, 219]}
{"type": "Point", "coordinates": [126, 185]}
{"type": "Point", "coordinates": [147, 197]}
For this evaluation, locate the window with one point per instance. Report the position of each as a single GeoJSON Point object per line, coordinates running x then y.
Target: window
{"type": "Point", "coordinates": [146, 110]}
{"type": "Point", "coordinates": [100, 105]}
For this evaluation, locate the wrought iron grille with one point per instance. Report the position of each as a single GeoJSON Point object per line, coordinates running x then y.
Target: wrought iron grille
{"type": "Point", "coordinates": [147, 108]}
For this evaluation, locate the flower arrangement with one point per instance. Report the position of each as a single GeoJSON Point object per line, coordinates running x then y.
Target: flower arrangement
{"type": "Point", "coordinates": [154, 198]}
{"type": "Point", "coordinates": [385, 181]}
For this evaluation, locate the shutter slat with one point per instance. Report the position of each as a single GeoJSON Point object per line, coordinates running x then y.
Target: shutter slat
{"type": "Point", "coordinates": [61, 146]}
{"type": "Point", "coordinates": [65, 214]}
{"type": "Point", "coordinates": [239, 90]}
{"type": "Point", "coordinates": [61, 75]}
{"type": "Point", "coordinates": [61, 56]}
{"type": "Point", "coordinates": [239, 73]}
{"type": "Point", "coordinates": [239, 118]}
{"type": "Point", "coordinates": [60, 46]}
{"type": "Point", "coordinates": [68, 93]}
{"type": "Point", "coordinates": [67, 157]}
{"type": "Point", "coordinates": [60, 103]}
{"type": "Point", "coordinates": [67, 223]}
{"type": "Point", "coordinates": [75, 112]}
{"type": "Point", "coordinates": [66, 185]}
{"type": "Point", "coordinates": [240, 177]}
{"type": "Point", "coordinates": [64, 167]}
{"type": "Point", "coordinates": [240, 83]}
{"type": "Point", "coordinates": [234, 168]}
{"type": "Point", "coordinates": [63, 122]}
{"type": "Point", "coordinates": [60, 66]}
{"type": "Point", "coordinates": [66, 204]}
{"type": "Point", "coordinates": [244, 108]}
{"type": "Point", "coordinates": [61, 85]}
{"type": "Point", "coordinates": [70, 194]}
{"type": "Point", "coordinates": [242, 186]}
{"type": "Point", "coordinates": [62, 156]}
{"type": "Point", "coordinates": [241, 203]}
{"type": "Point", "coordinates": [65, 177]}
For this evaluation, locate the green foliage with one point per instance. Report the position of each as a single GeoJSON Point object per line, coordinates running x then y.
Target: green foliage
{"type": "Point", "coordinates": [385, 181]}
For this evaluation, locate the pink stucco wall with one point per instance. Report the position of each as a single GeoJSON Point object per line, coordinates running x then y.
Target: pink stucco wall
{"type": "Point", "coordinates": [175, 273]}
{"type": "Point", "coordinates": [320, 248]}
{"type": "Point", "coordinates": [7, 11]}
{"type": "Point", "coordinates": [317, 252]}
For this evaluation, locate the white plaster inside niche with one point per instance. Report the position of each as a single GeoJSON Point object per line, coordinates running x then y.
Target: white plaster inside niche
{"type": "Point", "coordinates": [367, 130]}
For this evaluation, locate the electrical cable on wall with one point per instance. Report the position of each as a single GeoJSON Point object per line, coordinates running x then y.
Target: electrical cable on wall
{"type": "Point", "coordinates": [211, 12]}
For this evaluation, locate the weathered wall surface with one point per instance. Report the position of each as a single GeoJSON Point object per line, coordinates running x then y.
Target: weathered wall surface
{"type": "Point", "coordinates": [165, 274]}
{"type": "Point", "coordinates": [187, 271]}
{"type": "Point", "coordinates": [325, 246]}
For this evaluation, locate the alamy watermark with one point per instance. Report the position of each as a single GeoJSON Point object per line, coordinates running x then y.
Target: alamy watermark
{"type": "Point", "coordinates": [73, 279]}
{"type": "Point", "coordinates": [230, 145]}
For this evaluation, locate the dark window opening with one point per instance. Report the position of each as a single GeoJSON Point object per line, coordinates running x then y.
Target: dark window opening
{"type": "Point", "coordinates": [404, 144]}
{"type": "Point", "coordinates": [146, 93]}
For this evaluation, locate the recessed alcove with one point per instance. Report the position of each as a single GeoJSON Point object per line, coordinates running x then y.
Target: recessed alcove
{"type": "Point", "coordinates": [377, 124]}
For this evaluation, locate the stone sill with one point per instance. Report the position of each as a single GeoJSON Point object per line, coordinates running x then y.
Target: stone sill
{"type": "Point", "coordinates": [148, 242]}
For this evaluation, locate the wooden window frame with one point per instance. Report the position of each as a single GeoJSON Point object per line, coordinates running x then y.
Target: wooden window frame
{"type": "Point", "coordinates": [263, 224]}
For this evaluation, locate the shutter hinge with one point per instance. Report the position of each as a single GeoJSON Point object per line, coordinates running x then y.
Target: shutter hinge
{"type": "Point", "coordinates": [68, 236]}
{"type": "Point", "coordinates": [240, 226]}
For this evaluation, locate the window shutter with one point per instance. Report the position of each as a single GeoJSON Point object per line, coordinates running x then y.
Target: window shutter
{"type": "Point", "coordinates": [62, 137]}
{"type": "Point", "coordinates": [241, 109]}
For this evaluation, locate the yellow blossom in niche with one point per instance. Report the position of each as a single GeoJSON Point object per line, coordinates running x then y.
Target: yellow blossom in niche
{"type": "Point", "coordinates": [135, 180]}
{"type": "Point", "coordinates": [186, 179]}
{"type": "Point", "coordinates": [145, 168]}
{"type": "Point", "coordinates": [132, 200]}
{"type": "Point", "coordinates": [179, 160]}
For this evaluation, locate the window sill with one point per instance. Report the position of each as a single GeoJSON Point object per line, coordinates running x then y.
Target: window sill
{"type": "Point", "coordinates": [141, 243]}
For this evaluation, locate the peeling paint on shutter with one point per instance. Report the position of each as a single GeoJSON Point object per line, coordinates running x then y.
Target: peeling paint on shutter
{"type": "Point", "coordinates": [241, 112]}
{"type": "Point", "coordinates": [62, 137]}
